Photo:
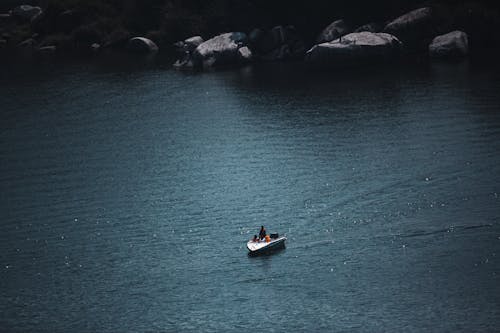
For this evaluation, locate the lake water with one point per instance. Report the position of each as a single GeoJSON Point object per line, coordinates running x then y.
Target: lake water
{"type": "Point", "coordinates": [128, 193]}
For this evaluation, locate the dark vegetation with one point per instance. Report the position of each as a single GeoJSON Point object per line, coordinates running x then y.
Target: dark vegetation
{"type": "Point", "coordinates": [74, 25]}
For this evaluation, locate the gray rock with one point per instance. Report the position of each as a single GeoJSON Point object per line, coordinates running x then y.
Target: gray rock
{"type": "Point", "coordinates": [245, 54]}
{"type": "Point", "coordinates": [335, 30]}
{"type": "Point", "coordinates": [412, 28]}
{"type": "Point", "coordinates": [219, 50]}
{"type": "Point", "coordinates": [354, 48]}
{"type": "Point", "coordinates": [27, 44]}
{"type": "Point", "coordinates": [95, 47]}
{"type": "Point", "coordinates": [192, 43]}
{"type": "Point", "coordinates": [142, 45]}
{"type": "Point", "coordinates": [47, 50]}
{"type": "Point", "coordinates": [188, 45]}
{"type": "Point", "coordinates": [179, 45]}
{"type": "Point", "coordinates": [26, 12]}
{"type": "Point", "coordinates": [452, 44]}
{"type": "Point", "coordinates": [409, 20]}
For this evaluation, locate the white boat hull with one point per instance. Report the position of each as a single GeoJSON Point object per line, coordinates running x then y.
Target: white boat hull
{"type": "Point", "coordinates": [262, 247]}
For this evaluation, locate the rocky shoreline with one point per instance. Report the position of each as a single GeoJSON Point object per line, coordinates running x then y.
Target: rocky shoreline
{"type": "Point", "coordinates": [51, 29]}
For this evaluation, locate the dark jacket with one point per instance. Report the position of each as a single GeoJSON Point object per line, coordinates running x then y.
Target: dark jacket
{"type": "Point", "coordinates": [262, 233]}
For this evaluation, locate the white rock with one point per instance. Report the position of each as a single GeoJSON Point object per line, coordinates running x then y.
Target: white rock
{"type": "Point", "coordinates": [354, 48]}
{"type": "Point", "coordinates": [220, 50]}
{"type": "Point", "coordinates": [452, 44]}
{"type": "Point", "coordinates": [245, 54]}
{"type": "Point", "coordinates": [192, 43]}
{"type": "Point", "coordinates": [142, 45]}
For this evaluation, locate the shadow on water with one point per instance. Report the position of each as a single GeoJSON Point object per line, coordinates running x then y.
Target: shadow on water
{"type": "Point", "coordinates": [313, 95]}
{"type": "Point", "coordinates": [281, 77]}
{"type": "Point", "coordinates": [263, 266]}
{"type": "Point", "coordinates": [106, 63]}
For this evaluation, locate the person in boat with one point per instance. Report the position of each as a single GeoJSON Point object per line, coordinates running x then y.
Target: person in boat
{"type": "Point", "coordinates": [262, 233]}
{"type": "Point", "coordinates": [255, 239]}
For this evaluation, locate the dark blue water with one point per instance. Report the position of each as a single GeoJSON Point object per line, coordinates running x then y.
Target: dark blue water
{"type": "Point", "coordinates": [128, 194]}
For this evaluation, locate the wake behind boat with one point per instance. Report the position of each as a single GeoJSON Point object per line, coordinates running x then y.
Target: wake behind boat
{"type": "Point", "coordinates": [267, 245]}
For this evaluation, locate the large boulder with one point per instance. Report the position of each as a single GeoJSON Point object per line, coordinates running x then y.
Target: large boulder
{"type": "Point", "coordinates": [452, 44]}
{"type": "Point", "coordinates": [142, 45]}
{"type": "Point", "coordinates": [354, 48]}
{"type": "Point", "coordinates": [333, 31]}
{"type": "Point", "coordinates": [219, 50]}
{"type": "Point", "coordinates": [409, 21]}
{"type": "Point", "coordinates": [26, 13]}
{"type": "Point", "coordinates": [414, 29]}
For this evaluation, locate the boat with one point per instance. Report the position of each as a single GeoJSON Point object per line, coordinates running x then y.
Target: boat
{"type": "Point", "coordinates": [275, 242]}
